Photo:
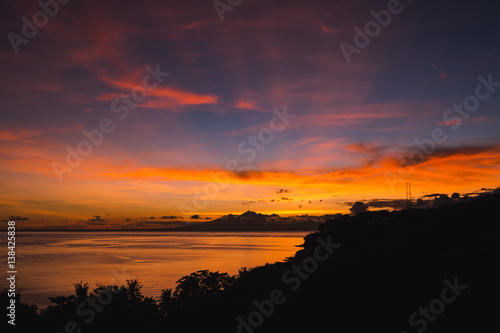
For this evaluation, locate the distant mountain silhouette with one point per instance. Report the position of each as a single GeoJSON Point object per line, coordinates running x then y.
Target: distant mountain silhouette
{"type": "Point", "coordinates": [252, 221]}
{"type": "Point", "coordinates": [248, 217]}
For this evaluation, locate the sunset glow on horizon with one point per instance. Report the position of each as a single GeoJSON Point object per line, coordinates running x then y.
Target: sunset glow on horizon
{"type": "Point", "coordinates": [117, 113]}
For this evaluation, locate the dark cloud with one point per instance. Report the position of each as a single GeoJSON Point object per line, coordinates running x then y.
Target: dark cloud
{"type": "Point", "coordinates": [17, 218]}
{"type": "Point", "coordinates": [367, 148]}
{"type": "Point", "coordinates": [248, 174]}
{"type": "Point", "coordinates": [410, 158]}
{"type": "Point", "coordinates": [468, 150]}
{"type": "Point", "coordinates": [432, 195]}
{"type": "Point", "coordinates": [388, 203]}
{"type": "Point", "coordinates": [195, 217]}
{"type": "Point", "coordinates": [248, 203]}
{"type": "Point", "coordinates": [485, 191]}
{"type": "Point", "coordinates": [283, 191]}
{"type": "Point", "coordinates": [96, 218]}
{"type": "Point", "coordinates": [171, 217]}
{"type": "Point", "coordinates": [358, 207]}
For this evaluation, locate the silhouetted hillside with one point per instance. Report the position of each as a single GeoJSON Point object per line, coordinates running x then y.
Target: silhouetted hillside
{"type": "Point", "coordinates": [415, 270]}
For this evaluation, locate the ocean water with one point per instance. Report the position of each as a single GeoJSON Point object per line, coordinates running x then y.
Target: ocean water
{"type": "Point", "coordinates": [49, 263]}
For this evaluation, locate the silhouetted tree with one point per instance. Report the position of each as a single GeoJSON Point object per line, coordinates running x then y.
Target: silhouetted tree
{"type": "Point", "coordinates": [201, 284]}
{"type": "Point", "coordinates": [133, 290]}
{"type": "Point", "coordinates": [81, 291]}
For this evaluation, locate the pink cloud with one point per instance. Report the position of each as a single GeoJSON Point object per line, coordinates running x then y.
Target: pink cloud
{"type": "Point", "coordinates": [246, 105]}
{"type": "Point", "coordinates": [19, 135]}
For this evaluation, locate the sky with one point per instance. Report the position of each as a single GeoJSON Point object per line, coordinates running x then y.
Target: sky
{"type": "Point", "coordinates": [114, 112]}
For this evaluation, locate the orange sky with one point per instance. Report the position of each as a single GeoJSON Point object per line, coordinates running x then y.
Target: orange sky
{"type": "Point", "coordinates": [181, 99]}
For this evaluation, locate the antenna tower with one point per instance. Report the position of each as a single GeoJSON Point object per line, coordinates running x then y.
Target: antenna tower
{"type": "Point", "coordinates": [409, 203]}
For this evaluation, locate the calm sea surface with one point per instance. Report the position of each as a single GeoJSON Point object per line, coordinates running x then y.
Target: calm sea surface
{"type": "Point", "coordinates": [48, 263]}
